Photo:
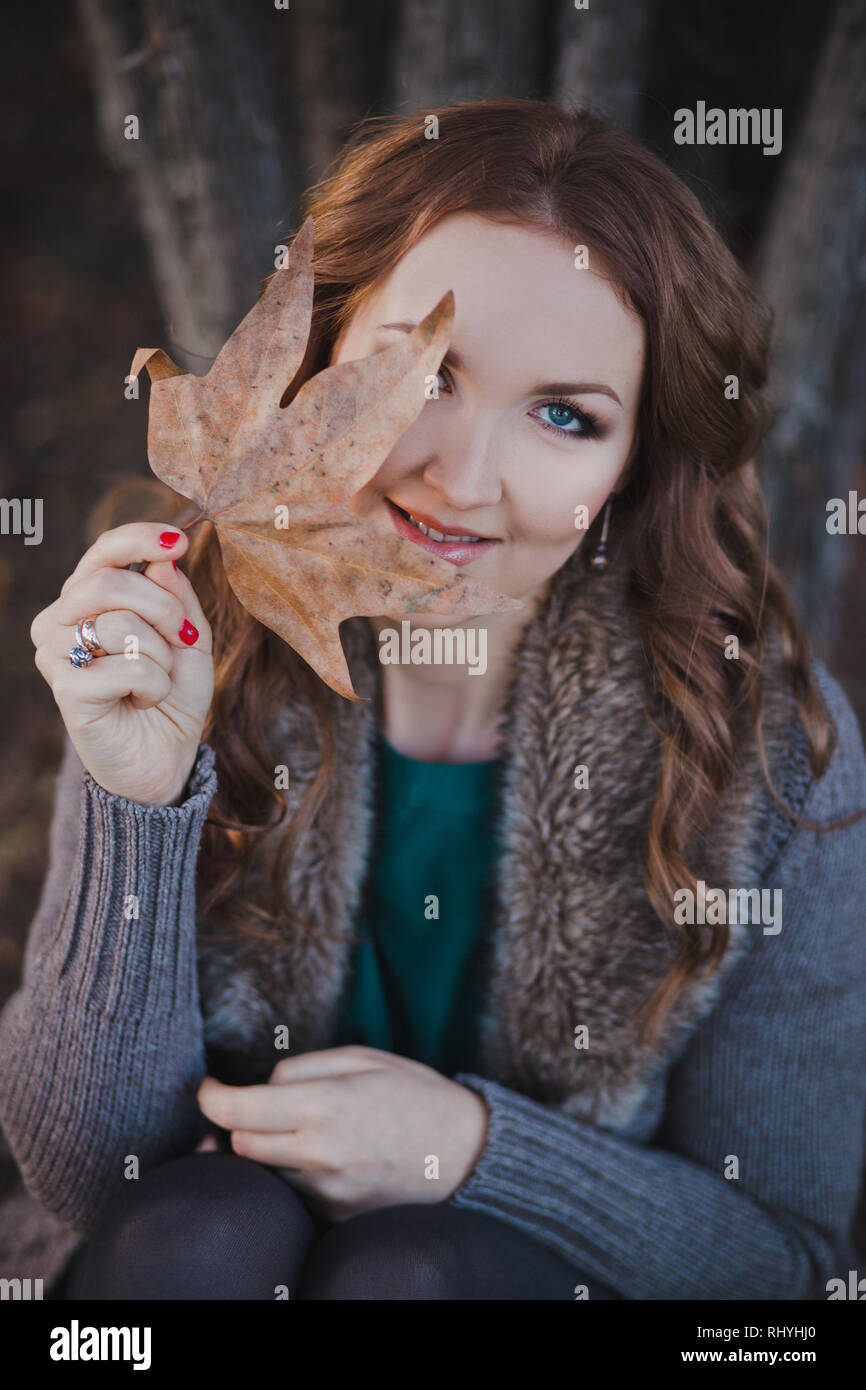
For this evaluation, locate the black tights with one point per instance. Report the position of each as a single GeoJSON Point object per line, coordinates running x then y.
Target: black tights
{"type": "Point", "coordinates": [219, 1226]}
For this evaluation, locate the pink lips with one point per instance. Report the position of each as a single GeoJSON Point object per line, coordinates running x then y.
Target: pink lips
{"type": "Point", "coordinates": [457, 552]}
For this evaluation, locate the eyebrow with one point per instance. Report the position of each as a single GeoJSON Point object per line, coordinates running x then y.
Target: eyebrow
{"type": "Point", "coordinates": [544, 388]}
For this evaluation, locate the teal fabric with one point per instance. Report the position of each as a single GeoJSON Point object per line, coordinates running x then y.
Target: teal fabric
{"type": "Point", "coordinates": [418, 978]}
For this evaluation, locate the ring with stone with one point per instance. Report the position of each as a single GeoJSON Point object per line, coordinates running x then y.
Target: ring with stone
{"type": "Point", "coordinates": [79, 656]}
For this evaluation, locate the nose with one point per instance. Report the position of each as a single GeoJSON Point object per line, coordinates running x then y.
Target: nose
{"type": "Point", "coordinates": [465, 468]}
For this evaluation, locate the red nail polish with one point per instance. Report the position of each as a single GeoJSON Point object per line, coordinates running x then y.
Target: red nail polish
{"type": "Point", "coordinates": [188, 633]}
{"type": "Point", "coordinates": [174, 562]}
{"type": "Point", "coordinates": [169, 538]}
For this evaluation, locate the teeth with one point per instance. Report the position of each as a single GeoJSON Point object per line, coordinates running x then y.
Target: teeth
{"type": "Point", "coordinates": [438, 535]}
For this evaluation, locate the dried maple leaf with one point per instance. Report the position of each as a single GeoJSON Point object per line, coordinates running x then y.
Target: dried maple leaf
{"type": "Point", "coordinates": [224, 442]}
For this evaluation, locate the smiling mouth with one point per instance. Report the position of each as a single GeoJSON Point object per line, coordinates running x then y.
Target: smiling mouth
{"type": "Point", "coordinates": [434, 534]}
{"type": "Point", "coordinates": [457, 547]}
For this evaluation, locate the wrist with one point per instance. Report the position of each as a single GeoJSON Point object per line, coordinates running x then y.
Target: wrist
{"type": "Point", "coordinates": [475, 1132]}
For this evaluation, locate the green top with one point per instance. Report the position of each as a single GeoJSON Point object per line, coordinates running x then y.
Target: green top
{"type": "Point", "coordinates": [421, 964]}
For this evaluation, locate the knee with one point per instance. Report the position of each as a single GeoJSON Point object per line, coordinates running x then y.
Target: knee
{"type": "Point", "coordinates": [199, 1202]}
{"type": "Point", "coordinates": [193, 1182]}
{"type": "Point", "coordinates": [205, 1226]}
{"type": "Point", "coordinates": [402, 1252]}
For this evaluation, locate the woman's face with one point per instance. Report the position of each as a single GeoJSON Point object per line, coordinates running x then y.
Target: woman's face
{"type": "Point", "coordinates": [537, 402]}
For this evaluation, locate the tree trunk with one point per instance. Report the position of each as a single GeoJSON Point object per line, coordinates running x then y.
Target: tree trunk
{"type": "Point", "coordinates": [448, 50]}
{"type": "Point", "coordinates": [812, 269]}
{"type": "Point", "coordinates": [206, 170]}
{"type": "Point", "coordinates": [601, 57]}
{"type": "Point", "coordinates": [336, 54]}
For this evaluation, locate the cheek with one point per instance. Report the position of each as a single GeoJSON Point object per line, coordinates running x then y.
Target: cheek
{"type": "Point", "coordinates": [409, 451]}
{"type": "Point", "coordinates": [557, 499]}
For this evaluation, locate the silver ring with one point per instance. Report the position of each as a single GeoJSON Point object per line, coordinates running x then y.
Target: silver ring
{"type": "Point", "coordinates": [80, 656]}
{"type": "Point", "coordinates": [85, 636]}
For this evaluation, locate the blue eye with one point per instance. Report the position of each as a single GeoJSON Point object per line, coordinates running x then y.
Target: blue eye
{"type": "Point", "coordinates": [567, 416]}
{"type": "Point", "coordinates": [562, 416]}
{"type": "Point", "coordinates": [567, 419]}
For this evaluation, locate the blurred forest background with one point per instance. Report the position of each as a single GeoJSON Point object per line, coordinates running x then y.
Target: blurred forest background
{"type": "Point", "coordinates": [112, 243]}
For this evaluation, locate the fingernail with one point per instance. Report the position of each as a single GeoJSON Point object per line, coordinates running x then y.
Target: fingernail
{"type": "Point", "coordinates": [188, 633]}
{"type": "Point", "coordinates": [174, 562]}
{"type": "Point", "coordinates": [169, 538]}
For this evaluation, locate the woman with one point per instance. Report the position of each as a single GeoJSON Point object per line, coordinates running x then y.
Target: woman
{"type": "Point", "coordinates": [540, 985]}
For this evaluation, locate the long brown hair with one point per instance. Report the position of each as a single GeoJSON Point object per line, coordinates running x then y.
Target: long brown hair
{"type": "Point", "coordinates": [693, 506]}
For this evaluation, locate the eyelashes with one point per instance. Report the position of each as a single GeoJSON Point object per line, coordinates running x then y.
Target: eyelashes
{"type": "Point", "coordinates": [590, 425]}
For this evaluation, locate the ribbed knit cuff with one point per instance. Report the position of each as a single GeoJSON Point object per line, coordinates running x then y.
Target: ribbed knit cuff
{"type": "Point", "coordinates": [135, 879]}
{"type": "Point", "coordinates": [643, 1222]}
{"type": "Point", "coordinates": [516, 1158]}
{"type": "Point", "coordinates": [565, 1184]}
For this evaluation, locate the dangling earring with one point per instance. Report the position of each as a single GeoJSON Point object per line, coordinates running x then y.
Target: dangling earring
{"type": "Point", "coordinates": [598, 558]}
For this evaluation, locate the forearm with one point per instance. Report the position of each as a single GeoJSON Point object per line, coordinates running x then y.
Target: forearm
{"type": "Point", "coordinates": [102, 1045]}
{"type": "Point", "coordinates": [645, 1222]}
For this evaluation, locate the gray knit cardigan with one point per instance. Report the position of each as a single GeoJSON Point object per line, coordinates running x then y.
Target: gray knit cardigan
{"type": "Point", "coordinates": [725, 1166]}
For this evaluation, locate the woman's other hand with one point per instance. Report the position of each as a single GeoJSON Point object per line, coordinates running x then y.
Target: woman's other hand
{"type": "Point", "coordinates": [355, 1128]}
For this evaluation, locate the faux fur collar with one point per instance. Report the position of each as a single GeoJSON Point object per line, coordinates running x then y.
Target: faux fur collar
{"type": "Point", "coordinates": [575, 939]}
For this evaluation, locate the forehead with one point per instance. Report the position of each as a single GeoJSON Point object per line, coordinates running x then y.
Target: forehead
{"type": "Point", "coordinates": [516, 290]}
